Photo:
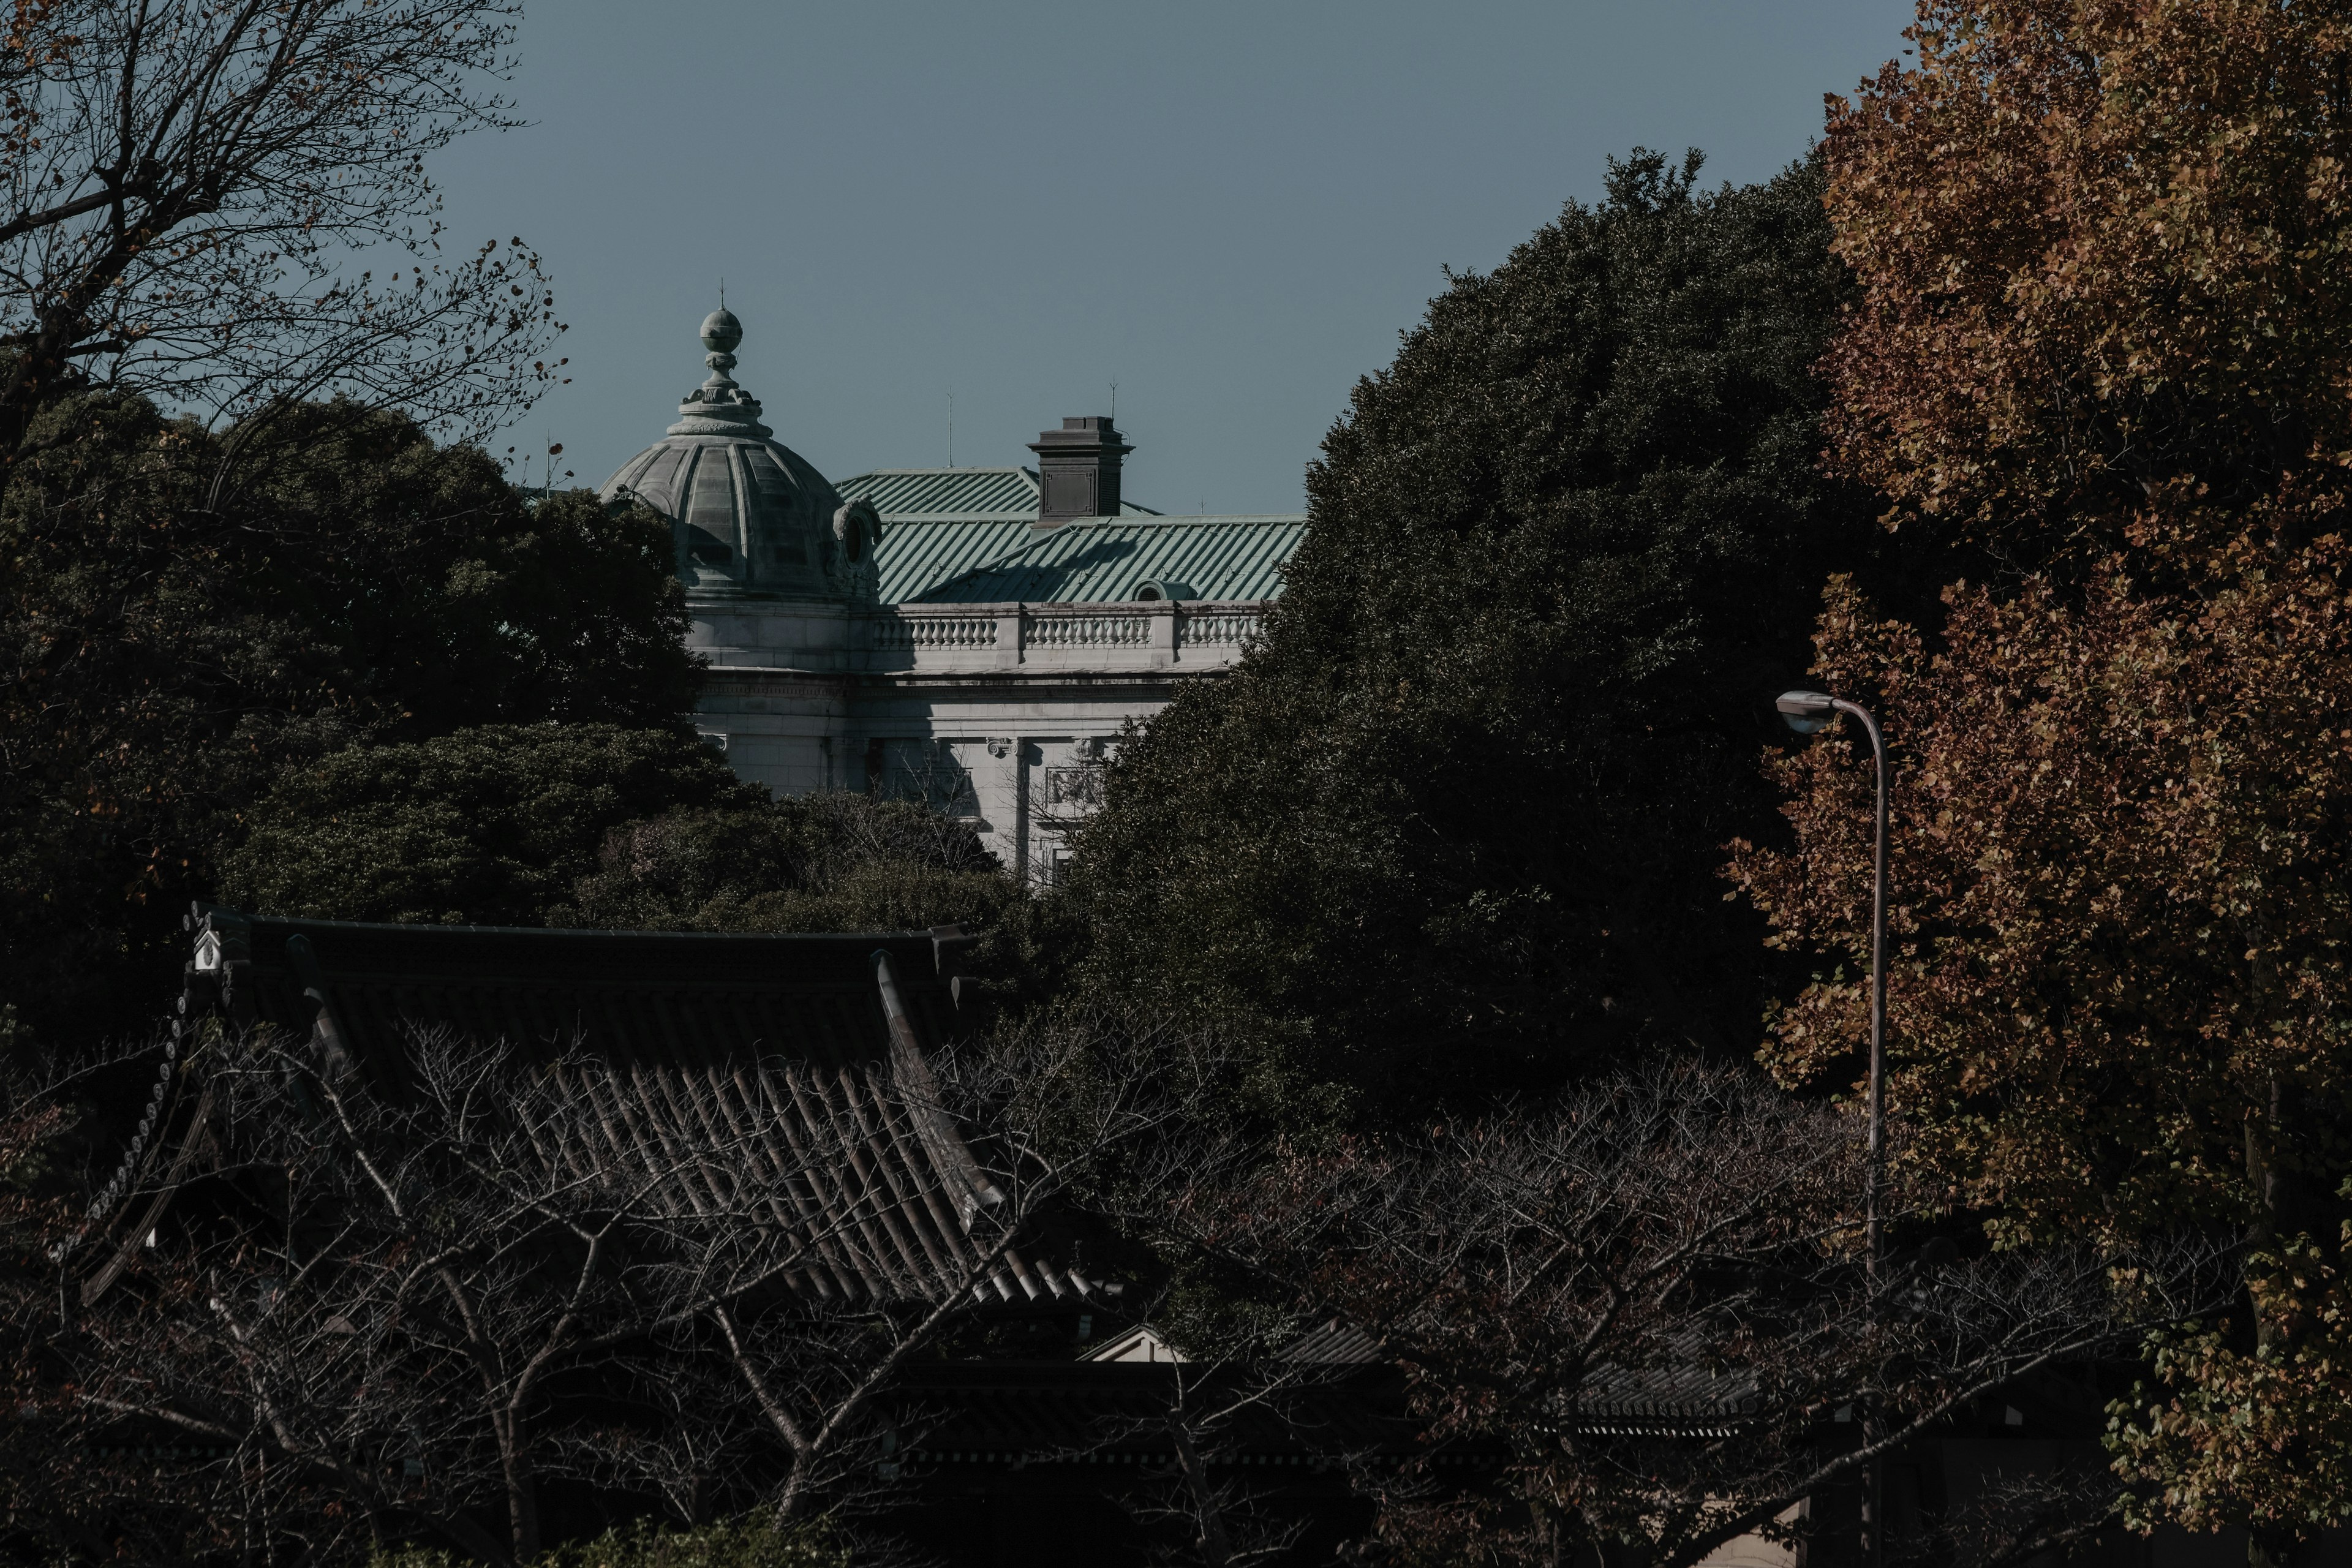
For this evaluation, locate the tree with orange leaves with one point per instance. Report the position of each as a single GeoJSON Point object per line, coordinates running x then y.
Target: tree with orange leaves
{"type": "Point", "coordinates": [2105, 275]}
{"type": "Point", "coordinates": [2104, 334]}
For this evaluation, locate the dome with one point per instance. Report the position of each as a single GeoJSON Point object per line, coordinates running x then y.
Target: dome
{"type": "Point", "coordinates": [748, 514]}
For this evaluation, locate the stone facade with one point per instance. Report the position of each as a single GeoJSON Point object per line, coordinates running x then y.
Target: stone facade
{"type": "Point", "coordinates": [847, 649]}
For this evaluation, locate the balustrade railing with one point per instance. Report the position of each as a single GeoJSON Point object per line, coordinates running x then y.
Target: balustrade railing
{"type": "Point", "coordinates": [997, 636]}
{"type": "Point", "coordinates": [1215, 628]}
{"type": "Point", "coordinates": [908, 632]}
{"type": "Point", "coordinates": [1092, 630]}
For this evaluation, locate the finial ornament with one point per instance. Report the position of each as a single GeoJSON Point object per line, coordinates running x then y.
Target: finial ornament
{"type": "Point", "coordinates": [720, 332]}
{"type": "Point", "coordinates": [719, 398]}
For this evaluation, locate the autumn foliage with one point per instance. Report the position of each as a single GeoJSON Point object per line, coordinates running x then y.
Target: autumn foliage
{"type": "Point", "coordinates": [2104, 337]}
{"type": "Point", "coordinates": [2122, 895]}
{"type": "Point", "coordinates": [2102, 256]}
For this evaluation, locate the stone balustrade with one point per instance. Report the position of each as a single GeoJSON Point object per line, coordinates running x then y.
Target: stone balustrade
{"type": "Point", "coordinates": [1108, 639]}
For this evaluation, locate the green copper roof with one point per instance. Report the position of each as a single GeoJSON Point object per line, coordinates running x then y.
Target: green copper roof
{"type": "Point", "coordinates": [965, 536]}
{"type": "Point", "coordinates": [1091, 561]}
{"type": "Point", "coordinates": [954, 492]}
{"type": "Point", "coordinates": [920, 553]}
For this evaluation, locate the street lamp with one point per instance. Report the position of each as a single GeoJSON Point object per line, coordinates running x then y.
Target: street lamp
{"type": "Point", "coordinates": [1808, 713]}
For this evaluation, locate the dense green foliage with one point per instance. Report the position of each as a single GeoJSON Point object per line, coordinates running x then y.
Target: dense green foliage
{"type": "Point", "coordinates": [598, 826]}
{"type": "Point", "coordinates": [489, 826]}
{"type": "Point", "coordinates": [176, 626]}
{"type": "Point", "coordinates": [820, 862]}
{"type": "Point", "coordinates": [1455, 824]}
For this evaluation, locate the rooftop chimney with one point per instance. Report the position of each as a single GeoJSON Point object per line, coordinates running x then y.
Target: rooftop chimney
{"type": "Point", "coordinates": [1077, 470]}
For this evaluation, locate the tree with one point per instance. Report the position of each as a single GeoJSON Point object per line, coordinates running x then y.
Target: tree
{"type": "Point", "coordinates": [431, 1307]}
{"type": "Point", "coordinates": [2120, 896]}
{"type": "Point", "coordinates": [71, 1491]}
{"type": "Point", "coordinates": [205, 198]}
{"type": "Point", "coordinates": [2101, 329]}
{"type": "Point", "coordinates": [832, 861]}
{"type": "Point", "coordinates": [2099, 254]}
{"type": "Point", "coordinates": [164, 662]}
{"type": "Point", "coordinates": [491, 825]}
{"type": "Point", "coordinates": [1452, 824]}
{"type": "Point", "coordinates": [593, 824]}
{"type": "Point", "coordinates": [1648, 1295]}
{"type": "Point", "coordinates": [2116, 943]}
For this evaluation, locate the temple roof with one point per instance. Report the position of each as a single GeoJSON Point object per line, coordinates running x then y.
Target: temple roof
{"type": "Point", "coordinates": [802, 1056]}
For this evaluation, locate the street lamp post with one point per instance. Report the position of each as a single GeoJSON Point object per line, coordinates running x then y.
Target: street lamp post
{"type": "Point", "coordinates": [1808, 712]}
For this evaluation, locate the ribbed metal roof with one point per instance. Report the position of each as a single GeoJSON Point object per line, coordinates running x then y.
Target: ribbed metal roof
{"type": "Point", "coordinates": [1091, 561]}
{"type": "Point", "coordinates": [920, 553]}
{"type": "Point", "coordinates": [978, 493]}
{"type": "Point", "coordinates": [960, 492]}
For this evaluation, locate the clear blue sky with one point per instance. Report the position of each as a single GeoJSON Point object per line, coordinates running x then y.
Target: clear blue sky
{"type": "Point", "coordinates": [1231, 209]}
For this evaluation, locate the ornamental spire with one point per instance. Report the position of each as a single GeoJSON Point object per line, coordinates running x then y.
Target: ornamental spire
{"type": "Point", "coordinates": [719, 407]}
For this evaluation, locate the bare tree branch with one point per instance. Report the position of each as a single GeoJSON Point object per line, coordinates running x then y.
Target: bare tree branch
{"type": "Point", "coordinates": [206, 198]}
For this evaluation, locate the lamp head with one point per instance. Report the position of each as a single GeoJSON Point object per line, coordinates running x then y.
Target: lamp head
{"type": "Point", "coordinates": [1807, 713]}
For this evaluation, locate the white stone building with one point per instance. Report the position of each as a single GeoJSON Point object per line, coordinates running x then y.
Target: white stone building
{"type": "Point", "coordinates": [974, 636]}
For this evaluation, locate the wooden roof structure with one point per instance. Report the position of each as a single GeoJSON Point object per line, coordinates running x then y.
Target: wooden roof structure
{"type": "Point", "coordinates": [729, 1065]}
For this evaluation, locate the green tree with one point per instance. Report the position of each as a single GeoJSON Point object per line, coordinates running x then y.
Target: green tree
{"type": "Point", "coordinates": [1453, 822]}
{"type": "Point", "coordinates": [489, 826]}
{"type": "Point", "coordinates": [166, 652]}
{"type": "Point", "coordinates": [820, 862]}
{"type": "Point", "coordinates": [598, 825]}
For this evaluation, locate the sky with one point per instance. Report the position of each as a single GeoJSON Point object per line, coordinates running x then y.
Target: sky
{"type": "Point", "coordinates": [1220, 214]}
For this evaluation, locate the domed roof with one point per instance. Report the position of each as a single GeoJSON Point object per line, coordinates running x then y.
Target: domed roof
{"type": "Point", "coordinates": [748, 514]}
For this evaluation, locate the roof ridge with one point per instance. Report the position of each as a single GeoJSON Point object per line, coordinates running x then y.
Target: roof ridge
{"type": "Point", "coordinates": [958, 468]}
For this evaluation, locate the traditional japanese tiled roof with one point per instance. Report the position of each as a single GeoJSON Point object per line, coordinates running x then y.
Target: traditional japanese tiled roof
{"type": "Point", "coordinates": [802, 1053]}
{"type": "Point", "coordinates": [1095, 560]}
{"type": "Point", "coordinates": [1685, 1394]}
{"type": "Point", "coordinates": [812, 995]}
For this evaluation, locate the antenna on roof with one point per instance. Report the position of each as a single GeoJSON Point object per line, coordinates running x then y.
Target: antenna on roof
{"type": "Point", "coordinates": [1114, 399]}
{"type": "Point", "coordinates": [950, 427]}
{"type": "Point", "coordinates": [722, 293]}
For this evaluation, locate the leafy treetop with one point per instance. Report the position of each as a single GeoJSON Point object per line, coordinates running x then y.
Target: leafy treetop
{"type": "Point", "coordinates": [1452, 827]}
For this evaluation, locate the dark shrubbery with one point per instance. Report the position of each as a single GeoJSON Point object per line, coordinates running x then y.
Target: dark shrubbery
{"type": "Point", "coordinates": [174, 634]}
{"type": "Point", "coordinates": [596, 825]}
